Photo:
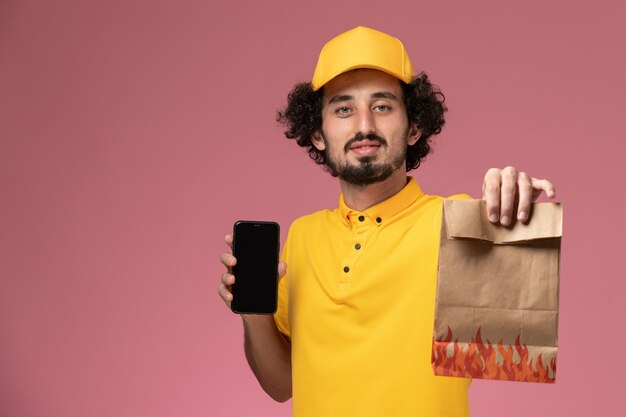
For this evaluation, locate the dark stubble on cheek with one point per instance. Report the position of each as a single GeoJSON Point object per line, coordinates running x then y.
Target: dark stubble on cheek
{"type": "Point", "coordinates": [366, 171]}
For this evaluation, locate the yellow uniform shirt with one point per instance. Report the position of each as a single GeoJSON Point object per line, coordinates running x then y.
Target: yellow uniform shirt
{"type": "Point", "coordinates": [358, 303]}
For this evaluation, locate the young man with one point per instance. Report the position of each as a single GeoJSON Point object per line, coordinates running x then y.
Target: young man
{"type": "Point", "coordinates": [353, 331]}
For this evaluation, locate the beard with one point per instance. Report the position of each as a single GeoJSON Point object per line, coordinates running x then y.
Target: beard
{"type": "Point", "coordinates": [365, 171]}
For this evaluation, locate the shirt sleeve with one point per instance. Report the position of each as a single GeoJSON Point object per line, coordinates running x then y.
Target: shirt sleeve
{"type": "Point", "coordinates": [461, 197]}
{"type": "Point", "coordinates": [281, 317]}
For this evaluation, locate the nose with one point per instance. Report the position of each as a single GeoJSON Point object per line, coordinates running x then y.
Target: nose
{"type": "Point", "coordinates": [365, 122]}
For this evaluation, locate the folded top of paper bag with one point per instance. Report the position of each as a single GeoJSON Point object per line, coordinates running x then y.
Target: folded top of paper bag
{"type": "Point", "coordinates": [546, 221]}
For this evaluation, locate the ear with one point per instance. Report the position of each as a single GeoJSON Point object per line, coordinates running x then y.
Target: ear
{"type": "Point", "coordinates": [318, 141]}
{"type": "Point", "coordinates": [414, 134]}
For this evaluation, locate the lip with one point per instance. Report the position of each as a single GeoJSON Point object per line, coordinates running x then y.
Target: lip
{"type": "Point", "coordinates": [365, 147]}
{"type": "Point", "coordinates": [365, 143]}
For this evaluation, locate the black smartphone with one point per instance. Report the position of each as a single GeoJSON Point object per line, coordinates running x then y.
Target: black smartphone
{"type": "Point", "coordinates": [255, 245]}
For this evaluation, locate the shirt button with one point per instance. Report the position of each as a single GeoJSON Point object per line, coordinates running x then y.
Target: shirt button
{"type": "Point", "coordinates": [357, 246]}
{"type": "Point", "coordinates": [346, 269]}
{"type": "Point", "coordinates": [361, 218]}
{"type": "Point", "coordinates": [378, 220]}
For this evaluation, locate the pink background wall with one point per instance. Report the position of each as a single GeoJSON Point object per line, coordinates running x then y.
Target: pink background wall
{"type": "Point", "coordinates": [133, 134]}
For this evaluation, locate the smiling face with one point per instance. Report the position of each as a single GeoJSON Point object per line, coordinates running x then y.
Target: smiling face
{"type": "Point", "coordinates": [365, 131]}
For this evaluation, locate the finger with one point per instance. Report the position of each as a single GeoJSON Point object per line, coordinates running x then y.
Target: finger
{"type": "Point", "coordinates": [225, 293]}
{"type": "Point", "coordinates": [525, 190]}
{"type": "Point", "coordinates": [228, 279]}
{"type": "Point", "coordinates": [229, 240]}
{"type": "Point", "coordinates": [507, 194]}
{"type": "Point", "coordinates": [491, 194]}
{"type": "Point", "coordinates": [540, 186]}
{"type": "Point", "coordinates": [228, 260]}
{"type": "Point", "coordinates": [282, 268]}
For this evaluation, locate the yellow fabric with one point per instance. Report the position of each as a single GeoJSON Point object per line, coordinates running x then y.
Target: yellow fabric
{"type": "Point", "coordinates": [362, 47]}
{"type": "Point", "coordinates": [361, 340]}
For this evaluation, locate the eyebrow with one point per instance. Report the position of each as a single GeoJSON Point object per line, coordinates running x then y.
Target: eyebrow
{"type": "Point", "coordinates": [337, 99]}
{"type": "Point", "coordinates": [379, 94]}
{"type": "Point", "coordinates": [385, 94]}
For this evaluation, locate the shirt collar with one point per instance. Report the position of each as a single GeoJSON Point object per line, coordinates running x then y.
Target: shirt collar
{"type": "Point", "coordinates": [386, 209]}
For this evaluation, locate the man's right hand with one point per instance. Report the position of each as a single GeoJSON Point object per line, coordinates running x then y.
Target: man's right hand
{"type": "Point", "coordinates": [228, 279]}
{"type": "Point", "coordinates": [267, 350]}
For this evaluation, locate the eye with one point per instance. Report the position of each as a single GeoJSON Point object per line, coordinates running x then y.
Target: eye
{"type": "Point", "coordinates": [382, 108]}
{"type": "Point", "coordinates": [342, 110]}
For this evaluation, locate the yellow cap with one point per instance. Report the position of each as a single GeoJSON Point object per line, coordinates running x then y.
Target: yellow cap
{"type": "Point", "coordinates": [362, 47]}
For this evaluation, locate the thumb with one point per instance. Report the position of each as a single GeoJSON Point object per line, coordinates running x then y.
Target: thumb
{"type": "Point", "coordinates": [282, 268]}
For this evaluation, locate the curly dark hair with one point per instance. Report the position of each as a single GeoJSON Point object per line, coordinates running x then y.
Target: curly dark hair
{"type": "Point", "coordinates": [424, 104]}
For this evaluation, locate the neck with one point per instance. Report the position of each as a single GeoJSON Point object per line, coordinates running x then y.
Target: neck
{"type": "Point", "coordinates": [362, 197]}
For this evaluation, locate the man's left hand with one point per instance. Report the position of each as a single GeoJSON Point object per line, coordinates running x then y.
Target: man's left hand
{"type": "Point", "coordinates": [504, 188]}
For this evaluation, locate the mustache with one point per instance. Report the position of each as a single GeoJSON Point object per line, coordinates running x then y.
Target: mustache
{"type": "Point", "coordinates": [361, 136]}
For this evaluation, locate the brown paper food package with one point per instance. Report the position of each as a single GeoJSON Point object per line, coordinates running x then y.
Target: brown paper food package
{"type": "Point", "coordinates": [496, 313]}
